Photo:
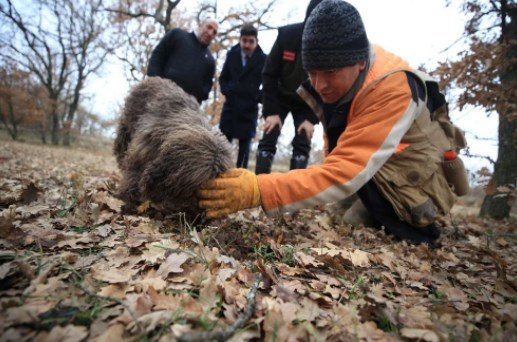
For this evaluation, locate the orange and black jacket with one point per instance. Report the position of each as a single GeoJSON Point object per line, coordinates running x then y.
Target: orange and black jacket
{"type": "Point", "coordinates": [375, 121]}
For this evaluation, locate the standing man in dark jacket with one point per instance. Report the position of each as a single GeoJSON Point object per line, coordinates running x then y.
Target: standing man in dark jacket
{"type": "Point", "coordinates": [240, 83]}
{"type": "Point", "coordinates": [282, 75]}
{"type": "Point", "coordinates": [185, 59]}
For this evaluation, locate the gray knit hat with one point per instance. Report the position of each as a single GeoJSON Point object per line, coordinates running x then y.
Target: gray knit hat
{"type": "Point", "coordinates": [333, 37]}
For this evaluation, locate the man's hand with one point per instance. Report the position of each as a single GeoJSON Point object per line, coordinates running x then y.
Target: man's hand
{"type": "Point", "coordinates": [271, 122]}
{"type": "Point", "coordinates": [230, 192]}
{"type": "Point", "coordinates": [306, 127]}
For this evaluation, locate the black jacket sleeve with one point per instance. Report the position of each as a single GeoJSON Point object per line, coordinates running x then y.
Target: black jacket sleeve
{"type": "Point", "coordinates": [271, 80]}
{"type": "Point", "coordinates": [160, 54]}
{"type": "Point", "coordinates": [225, 77]}
{"type": "Point", "coordinates": [208, 80]}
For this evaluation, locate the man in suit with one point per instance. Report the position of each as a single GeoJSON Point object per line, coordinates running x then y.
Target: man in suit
{"type": "Point", "coordinates": [240, 82]}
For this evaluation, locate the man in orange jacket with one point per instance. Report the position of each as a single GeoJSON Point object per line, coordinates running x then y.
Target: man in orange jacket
{"type": "Point", "coordinates": [376, 112]}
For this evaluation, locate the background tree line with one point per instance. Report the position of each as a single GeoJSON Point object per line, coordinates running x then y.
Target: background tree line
{"type": "Point", "coordinates": [49, 49]}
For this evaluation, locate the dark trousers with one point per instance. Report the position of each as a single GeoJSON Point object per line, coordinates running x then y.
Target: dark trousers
{"type": "Point", "coordinates": [301, 144]}
{"type": "Point", "coordinates": [244, 151]}
{"type": "Point", "coordinates": [383, 212]}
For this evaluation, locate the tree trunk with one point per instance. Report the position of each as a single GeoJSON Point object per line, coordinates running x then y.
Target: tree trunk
{"type": "Point", "coordinates": [14, 122]}
{"type": "Point", "coordinates": [54, 131]}
{"type": "Point", "coordinates": [497, 202]}
{"type": "Point", "coordinates": [43, 136]}
{"type": "Point", "coordinates": [69, 119]}
{"type": "Point", "coordinates": [67, 132]}
{"type": "Point", "coordinates": [13, 131]}
{"type": "Point", "coordinates": [13, 134]}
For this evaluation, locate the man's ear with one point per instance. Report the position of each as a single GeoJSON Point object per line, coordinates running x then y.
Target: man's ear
{"type": "Point", "coordinates": [362, 65]}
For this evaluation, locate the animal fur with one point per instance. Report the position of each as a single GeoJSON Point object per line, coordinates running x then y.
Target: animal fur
{"type": "Point", "coordinates": [165, 148]}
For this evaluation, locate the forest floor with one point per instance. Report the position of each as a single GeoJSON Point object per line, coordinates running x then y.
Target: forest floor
{"type": "Point", "coordinates": [73, 268]}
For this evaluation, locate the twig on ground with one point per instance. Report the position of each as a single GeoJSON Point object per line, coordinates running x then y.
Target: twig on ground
{"type": "Point", "coordinates": [225, 333]}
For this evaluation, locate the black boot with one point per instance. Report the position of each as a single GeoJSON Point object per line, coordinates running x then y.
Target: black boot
{"type": "Point", "coordinates": [299, 162]}
{"type": "Point", "coordinates": [264, 162]}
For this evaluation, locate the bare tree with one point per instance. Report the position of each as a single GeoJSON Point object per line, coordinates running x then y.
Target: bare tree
{"type": "Point", "coordinates": [20, 100]}
{"type": "Point", "coordinates": [160, 11]}
{"type": "Point", "coordinates": [139, 26]}
{"type": "Point", "coordinates": [255, 13]}
{"type": "Point", "coordinates": [62, 48]}
{"type": "Point", "coordinates": [10, 95]}
{"type": "Point", "coordinates": [88, 50]}
{"type": "Point", "coordinates": [39, 51]}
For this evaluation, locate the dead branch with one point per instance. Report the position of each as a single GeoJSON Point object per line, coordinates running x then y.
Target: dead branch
{"type": "Point", "coordinates": [163, 20]}
{"type": "Point", "coordinates": [225, 333]}
{"type": "Point", "coordinates": [470, 155]}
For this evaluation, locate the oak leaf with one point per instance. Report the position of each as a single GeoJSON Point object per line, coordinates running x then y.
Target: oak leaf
{"type": "Point", "coordinates": [70, 333]}
{"type": "Point", "coordinates": [109, 274]}
{"type": "Point", "coordinates": [420, 334]}
{"type": "Point", "coordinates": [172, 264]}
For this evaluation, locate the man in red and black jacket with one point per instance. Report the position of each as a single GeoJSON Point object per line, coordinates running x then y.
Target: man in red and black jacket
{"type": "Point", "coordinates": [283, 73]}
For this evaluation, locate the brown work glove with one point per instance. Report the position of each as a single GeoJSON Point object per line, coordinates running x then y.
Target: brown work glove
{"type": "Point", "coordinates": [232, 191]}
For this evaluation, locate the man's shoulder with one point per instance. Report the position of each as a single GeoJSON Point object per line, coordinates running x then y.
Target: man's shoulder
{"type": "Point", "coordinates": [260, 52]}
{"type": "Point", "coordinates": [178, 31]}
{"type": "Point", "coordinates": [291, 29]}
{"type": "Point", "coordinates": [235, 49]}
{"type": "Point", "coordinates": [290, 37]}
{"type": "Point", "coordinates": [178, 34]}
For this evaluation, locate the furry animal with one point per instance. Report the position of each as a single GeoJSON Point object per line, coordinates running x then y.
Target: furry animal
{"type": "Point", "coordinates": [165, 148]}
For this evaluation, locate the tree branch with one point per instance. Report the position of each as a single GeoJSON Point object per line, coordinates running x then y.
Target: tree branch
{"type": "Point", "coordinates": [470, 155]}
{"type": "Point", "coordinates": [226, 333]}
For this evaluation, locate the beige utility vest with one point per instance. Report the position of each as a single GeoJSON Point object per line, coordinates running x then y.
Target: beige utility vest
{"type": "Point", "coordinates": [417, 181]}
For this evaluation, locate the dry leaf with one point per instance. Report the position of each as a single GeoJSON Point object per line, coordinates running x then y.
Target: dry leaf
{"type": "Point", "coordinates": [114, 333]}
{"type": "Point", "coordinates": [162, 301]}
{"type": "Point", "coordinates": [420, 334]}
{"type": "Point", "coordinates": [110, 274]}
{"type": "Point", "coordinates": [115, 291]}
{"type": "Point", "coordinates": [307, 260]}
{"type": "Point", "coordinates": [118, 257]}
{"type": "Point", "coordinates": [172, 264]}
{"type": "Point", "coordinates": [29, 194]}
{"type": "Point", "coordinates": [359, 258]}
{"type": "Point", "coordinates": [70, 333]}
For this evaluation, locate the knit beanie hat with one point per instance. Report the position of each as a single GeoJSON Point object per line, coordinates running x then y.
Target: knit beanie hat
{"type": "Point", "coordinates": [312, 4]}
{"type": "Point", "coordinates": [333, 37]}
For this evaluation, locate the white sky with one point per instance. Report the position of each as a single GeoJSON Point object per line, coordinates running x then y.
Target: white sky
{"type": "Point", "coordinates": [416, 30]}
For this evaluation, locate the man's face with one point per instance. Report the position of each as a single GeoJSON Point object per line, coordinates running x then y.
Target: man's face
{"type": "Point", "coordinates": [207, 32]}
{"type": "Point", "coordinates": [333, 84]}
{"type": "Point", "coordinates": [248, 44]}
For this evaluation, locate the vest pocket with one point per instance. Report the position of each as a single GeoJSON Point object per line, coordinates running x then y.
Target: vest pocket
{"type": "Point", "coordinates": [414, 183]}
